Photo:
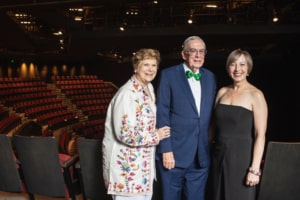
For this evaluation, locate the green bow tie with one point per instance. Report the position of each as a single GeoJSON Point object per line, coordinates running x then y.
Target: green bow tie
{"type": "Point", "coordinates": [190, 74]}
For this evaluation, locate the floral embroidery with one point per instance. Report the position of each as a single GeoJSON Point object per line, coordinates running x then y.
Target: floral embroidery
{"type": "Point", "coordinates": [135, 156]}
{"type": "Point", "coordinates": [120, 186]}
{"type": "Point", "coordinates": [136, 136]}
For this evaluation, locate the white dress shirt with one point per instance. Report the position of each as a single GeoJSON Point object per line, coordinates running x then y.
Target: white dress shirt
{"type": "Point", "coordinates": [196, 89]}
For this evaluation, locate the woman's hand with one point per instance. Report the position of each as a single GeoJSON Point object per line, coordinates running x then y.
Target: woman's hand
{"type": "Point", "coordinates": [253, 177]}
{"type": "Point", "coordinates": [164, 132]}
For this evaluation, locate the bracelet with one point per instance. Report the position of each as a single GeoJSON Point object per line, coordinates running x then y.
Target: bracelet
{"type": "Point", "coordinates": [252, 171]}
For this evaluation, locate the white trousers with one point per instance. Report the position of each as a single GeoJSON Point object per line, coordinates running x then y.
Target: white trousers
{"type": "Point", "coordinates": [140, 197]}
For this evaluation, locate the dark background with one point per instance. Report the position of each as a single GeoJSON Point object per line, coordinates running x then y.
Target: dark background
{"type": "Point", "coordinates": [274, 72]}
{"type": "Point", "coordinates": [105, 51]}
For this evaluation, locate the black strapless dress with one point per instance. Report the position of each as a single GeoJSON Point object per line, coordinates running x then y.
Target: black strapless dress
{"type": "Point", "coordinates": [232, 153]}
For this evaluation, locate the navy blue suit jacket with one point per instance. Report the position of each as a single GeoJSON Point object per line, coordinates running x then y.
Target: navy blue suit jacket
{"type": "Point", "coordinates": [176, 108]}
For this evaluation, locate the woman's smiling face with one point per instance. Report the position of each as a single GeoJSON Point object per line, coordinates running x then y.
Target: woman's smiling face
{"type": "Point", "coordinates": [146, 70]}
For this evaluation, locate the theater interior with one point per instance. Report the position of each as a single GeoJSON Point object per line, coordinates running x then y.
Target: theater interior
{"type": "Point", "coordinates": [64, 45]}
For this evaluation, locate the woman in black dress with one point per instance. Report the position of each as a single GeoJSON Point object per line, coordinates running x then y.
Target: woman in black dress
{"type": "Point", "coordinates": [241, 114]}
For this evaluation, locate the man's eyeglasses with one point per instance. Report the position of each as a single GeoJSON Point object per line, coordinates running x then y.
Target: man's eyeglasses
{"type": "Point", "coordinates": [193, 52]}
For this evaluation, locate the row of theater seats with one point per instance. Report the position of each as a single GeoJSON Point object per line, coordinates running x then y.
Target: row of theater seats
{"type": "Point", "coordinates": [92, 129]}
{"type": "Point", "coordinates": [8, 121]}
{"type": "Point", "coordinates": [80, 86]}
{"type": "Point", "coordinates": [20, 97]}
{"type": "Point", "coordinates": [8, 84]}
{"type": "Point", "coordinates": [66, 77]}
{"type": "Point", "coordinates": [61, 83]}
{"type": "Point", "coordinates": [34, 166]}
{"type": "Point", "coordinates": [38, 162]}
{"type": "Point", "coordinates": [51, 110]}
{"type": "Point", "coordinates": [18, 79]}
{"type": "Point", "coordinates": [20, 107]}
{"type": "Point", "coordinates": [3, 113]}
{"type": "Point", "coordinates": [104, 92]}
{"type": "Point", "coordinates": [39, 102]}
{"type": "Point", "coordinates": [22, 90]}
{"type": "Point", "coordinates": [92, 96]}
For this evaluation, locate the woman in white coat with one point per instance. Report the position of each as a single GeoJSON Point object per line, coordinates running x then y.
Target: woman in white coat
{"type": "Point", "coordinates": [130, 133]}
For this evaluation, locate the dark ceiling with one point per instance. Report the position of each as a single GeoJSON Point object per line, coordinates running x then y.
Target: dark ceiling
{"type": "Point", "coordinates": [28, 26]}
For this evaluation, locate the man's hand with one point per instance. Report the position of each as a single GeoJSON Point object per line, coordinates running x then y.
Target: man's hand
{"type": "Point", "coordinates": [168, 160]}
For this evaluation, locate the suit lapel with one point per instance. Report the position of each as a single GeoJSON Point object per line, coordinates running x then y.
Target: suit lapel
{"type": "Point", "coordinates": [203, 89]}
{"type": "Point", "coordinates": [185, 87]}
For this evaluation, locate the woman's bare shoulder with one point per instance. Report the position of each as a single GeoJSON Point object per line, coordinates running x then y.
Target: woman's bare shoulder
{"type": "Point", "coordinates": [257, 96]}
{"type": "Point", "coordinates": [224, 89]}
{"type": "Point", "coordinates": [221, 92]}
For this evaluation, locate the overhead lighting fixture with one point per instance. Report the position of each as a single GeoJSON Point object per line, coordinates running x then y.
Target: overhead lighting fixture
{"type": "Point", "coordinates": [275, 17]}
{"type": "Point", "coordinates": [76, 9]}
{"type": "Point", "coordinates": [78, 18]}
{"type": "Point", "coordinates": [132, 11]}
{"type": "Point", "coordinates": [25, 22]}
{"type": "Point", "coordinates": [211, 6]}
{"type": "Point", "coordinates": [190, 19]}
{"type": "Point", "coordinates": [57, 33]}
{"type": "Point", "coordinates": [122, 28]}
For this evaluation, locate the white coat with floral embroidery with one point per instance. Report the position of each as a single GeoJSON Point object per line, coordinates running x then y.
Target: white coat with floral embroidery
{"type": "Point", "coordinates": [128, 147]}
